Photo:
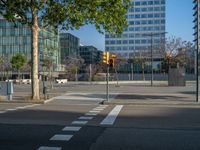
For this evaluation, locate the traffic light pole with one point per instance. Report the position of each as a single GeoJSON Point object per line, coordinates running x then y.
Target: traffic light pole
{"type": "Point", "coordinates": [107, 84]}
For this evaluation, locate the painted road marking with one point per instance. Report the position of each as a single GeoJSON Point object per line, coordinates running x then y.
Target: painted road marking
{"type": "Point", "coordinates": [98, 109]}
{"type": "Point", "coordinates": [79, 122]}
{"type": "Point", "coordinates": [27, 106]}
{"type": "Point", "coordinates": [85, 118]}
{"type": "Point", "coordinates": [1, 112]}
{"type": "Point", "coordinates": [110, 118]}
{"type": "Point", "coordinates": [22, 107]}
{"type": "Point", "coordinates": [90, 114]}
{"type": "Point", "coordinates": [103, 106]}
{"type": "Point", "coordinates": [93, 111]}
{"type": "Point", "coordinates": [49, 148]}
{"type": "Point", "coordinates": [67, 128]}
{"type": "Point", "coordinates": [61, 137]}
{"type": "Point", "coordinates": [11, 109]}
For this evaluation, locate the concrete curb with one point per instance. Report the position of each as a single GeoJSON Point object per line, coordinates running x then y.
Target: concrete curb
{"type": "Point", "coordinates": [23, 101]}
{"type": "Point", "coordinates": [28, 101]}
{"type": "Point", "coordinates": [178, 104]}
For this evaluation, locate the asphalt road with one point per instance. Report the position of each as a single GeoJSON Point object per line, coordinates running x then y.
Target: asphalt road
{"type": "Point", "coordinates": [76, 121]}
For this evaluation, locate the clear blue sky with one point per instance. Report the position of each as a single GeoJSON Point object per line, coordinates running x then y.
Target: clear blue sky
{"type": "Point", "coordinates": [179, 17]}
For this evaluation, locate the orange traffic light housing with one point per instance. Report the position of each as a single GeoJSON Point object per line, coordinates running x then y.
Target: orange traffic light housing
{"type": "Point", "coordinates": [106, 57]}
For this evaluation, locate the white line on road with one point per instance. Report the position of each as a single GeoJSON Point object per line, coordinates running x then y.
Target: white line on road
{"type": "Point", "coordinates": [98, 109]}
{"type": "Point", "coordinates": [1, 112]}
{"type": "Point", "coordinates": [85, 118]}
{"type": "Point", "coordinates": [11, 109]}
{"type": "Point", "coordinates": [90, 114]}
{"type": "Point", "coordinates": [79, 122]}
{"type": "Point", "coordinates": [94, 111]}
{"type": "Point", "coordinates": [27, 106]}
{"type": "Point", "coordinates": [61, 137]}
{"type": "Point", "coordinates": [103, 106]}
{"type": "Point", "coordinates": [67, 128]}
{"type": "Point", "coordinates": [110, 118]}
{"type": "Point", "coordinates": [21, 107]}
{"type": "Point", "coordinates": [49, 148]}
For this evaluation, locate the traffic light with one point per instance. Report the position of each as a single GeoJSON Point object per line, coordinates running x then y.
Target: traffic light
{"type": "Point", "coordinates": [111, 62]}
{"type": "Point", "coordinates": [106, 57]}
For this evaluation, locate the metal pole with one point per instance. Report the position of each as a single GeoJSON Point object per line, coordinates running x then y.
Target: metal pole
{"type": "Point", "coordinates": [90, 73]}
{"type": "Point", "coordinates": [197, 56]}
{"type": "Point", "coordinates": [76, 77]}
{"type": "Point", "coordinates": [151, 59]}
{"type": "Point", "coordinates": [107, 84]}
{"type": "Point", "coordinates": [131, 71]}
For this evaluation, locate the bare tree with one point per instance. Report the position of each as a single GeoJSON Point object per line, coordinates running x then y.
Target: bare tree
{"type": "Point", "coordinates": [176, 50]}
{"type": "Point", "coordinates": [6, 66]}
{"type": "Point", "coordinates": [140, 58]}
{"type": "Point", "coordinates": [72, 66]}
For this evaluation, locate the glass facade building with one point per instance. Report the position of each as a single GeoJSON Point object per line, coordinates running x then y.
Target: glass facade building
{"type": "Point", "coordinates": [69, 45]}
{"type": "Point", "coordinates": [90, 54]}
{"type": "Point", "coordinates": [146, 28]}
{"type": "Point", "coordinates": [16, 38]}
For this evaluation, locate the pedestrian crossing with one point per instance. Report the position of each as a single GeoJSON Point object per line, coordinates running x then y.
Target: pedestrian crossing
{"type": "Point", "coordinates": [75, 126]}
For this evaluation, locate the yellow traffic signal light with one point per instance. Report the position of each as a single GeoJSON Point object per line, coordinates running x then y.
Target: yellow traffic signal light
{"type": "Point", "coordinates": [106, 57]}
{"type": "Point", "coordinates": [114, 56]}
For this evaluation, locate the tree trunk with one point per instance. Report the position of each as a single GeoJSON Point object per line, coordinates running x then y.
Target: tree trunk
{"type": "Point", "coordinates": [34, 77]}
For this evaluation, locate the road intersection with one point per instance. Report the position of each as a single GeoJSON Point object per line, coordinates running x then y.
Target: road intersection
{"type": "Point", "coordinates": [78, 121]}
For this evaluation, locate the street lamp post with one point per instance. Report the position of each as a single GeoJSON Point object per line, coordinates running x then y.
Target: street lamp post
{"type": "Point", "coordinates": [197, 55]}
{"type": "Point", "coordinates": [151, 59]}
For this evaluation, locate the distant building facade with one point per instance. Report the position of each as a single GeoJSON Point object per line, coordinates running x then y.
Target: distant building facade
{"type": "Point", "coordinates": [196, 19]}
{"type": "Point", "coordinates": [90, 54]}
{"type": "Point", "coordinates": [16, 38]}
{"type": "Point", "coordinates": [196, 30]}
{"type": "Point", "coordinates": [69, 45]}
{"type": "Point", "coordinates": [146, 28]}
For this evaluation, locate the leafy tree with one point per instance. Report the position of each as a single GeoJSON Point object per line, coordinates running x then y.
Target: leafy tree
{"type": "Point", "coordinates": [18, 61]}
{"type": "Point", "coordinates": [104, 14]}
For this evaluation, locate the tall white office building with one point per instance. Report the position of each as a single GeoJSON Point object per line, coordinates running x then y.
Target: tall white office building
{"type": "Point", "coordinates": [146, 31]}
{"type": "Point", "coordinates": [197, 33]}
{"type": "Point", "coordinates": [196, 19]}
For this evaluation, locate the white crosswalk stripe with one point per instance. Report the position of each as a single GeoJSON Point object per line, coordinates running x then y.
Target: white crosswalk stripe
{"type": "Point", "coordinates": [61, 137]}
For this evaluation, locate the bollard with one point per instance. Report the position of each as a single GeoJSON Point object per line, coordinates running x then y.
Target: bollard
{"type": "Point", "coordinates": [45, 92]}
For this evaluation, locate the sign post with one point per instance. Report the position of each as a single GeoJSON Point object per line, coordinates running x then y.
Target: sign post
{"type": "Point", "coordinates": [107, 84]}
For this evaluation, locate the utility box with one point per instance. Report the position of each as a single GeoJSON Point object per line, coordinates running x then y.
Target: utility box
{"type": "Point", "coordinates": [3, 88]}
{"type": "Point", "coordinates": [176, 77]}
{"type": "Point", "coordinates": [9, 88]}
{"type": "Point", "coordinates": [6, 89]}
